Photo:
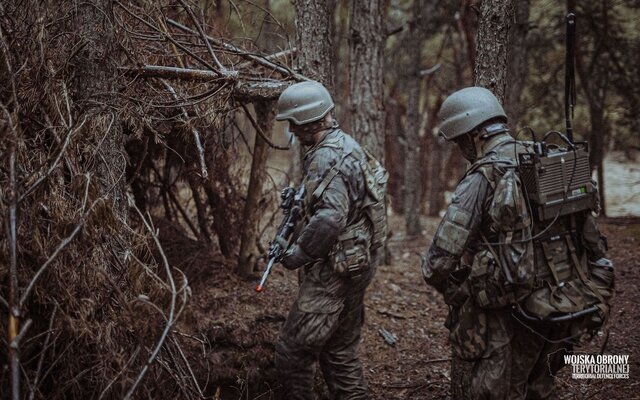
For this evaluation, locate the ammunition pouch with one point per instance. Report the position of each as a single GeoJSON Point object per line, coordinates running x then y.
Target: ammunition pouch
{"type": "Point", "coordinates": [488, 286]}
{"type": "Point", "coordinates": [350, 256]}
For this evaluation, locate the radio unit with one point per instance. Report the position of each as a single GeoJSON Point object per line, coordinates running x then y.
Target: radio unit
{"type": "Point", "coordinates": [557, 180]}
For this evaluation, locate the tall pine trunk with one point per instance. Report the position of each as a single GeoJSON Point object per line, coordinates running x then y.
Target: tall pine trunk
{"type": "Point", "coordinates": [366, 66]}
{"type": "Point", "coordinates": [412, 165]}
{"type": "Point", "coordinates": [496, 18]}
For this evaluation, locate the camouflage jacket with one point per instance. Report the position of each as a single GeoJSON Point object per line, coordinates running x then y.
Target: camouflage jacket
{"type": "Point", "coordinates": [332, 208]}
{"type": "Point", "coordinates": [470, 222]}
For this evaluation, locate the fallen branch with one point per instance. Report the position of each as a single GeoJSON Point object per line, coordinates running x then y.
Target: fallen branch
{"type": "Point", "coordinates": [242, 53]}
{"type": "Point", "coordinates": [259, 90]}
{"type": "Point", "coordinates": [260, 132]}
{"type": "Point", "coordinates": [271, 57]}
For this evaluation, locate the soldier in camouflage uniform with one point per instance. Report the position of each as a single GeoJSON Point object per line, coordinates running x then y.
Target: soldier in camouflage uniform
{"type": "Point", "coordinates": [495, 356]}
{"type": "Point", "coordinates": [325, 321]}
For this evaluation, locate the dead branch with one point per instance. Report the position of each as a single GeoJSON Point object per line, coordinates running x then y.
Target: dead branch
{"type": "Point", "coordinates": [430, 71]}
{"type": "Point", "coordinates": [286, 72]}
{"type": "Point", "coordinates": [170, 318]}
{"type": "Point", "coordinates": [194, 131]}
{"type": "Point", "coordinates": [270, 57]}
{"type": "Point", "coordinates": [53, 165]}
{"type": "Point", "coordinates": [61, 246]}
{"type": "Point", "coordinates": [36, 379]}
{"type": "Point", "coordinates": [186, 362]}
{"type": "Point", "coordinates": [243, 90]}
{"type": "Point", "coordinates": [202, 35]}
{"type": "Point", "coordinates": [14, 308]}
{"type": "Point", "coordinates": [133, 357]}
{"type": "Point", "coordinates": [260, 132]}
{"type": "Point", "coordinates": [172, 40]}
{"type": "Point", "coordinates": [16, 340]}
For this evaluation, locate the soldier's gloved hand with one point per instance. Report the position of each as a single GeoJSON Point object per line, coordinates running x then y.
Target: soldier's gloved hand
{"type": "Point", "coordinates": [284, 245]}
{"type": "Point", "coordinates": [295, 257]}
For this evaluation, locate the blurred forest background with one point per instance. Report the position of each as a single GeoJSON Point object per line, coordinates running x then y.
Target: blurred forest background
{"type": "Point", "coordinates": [141, 166]}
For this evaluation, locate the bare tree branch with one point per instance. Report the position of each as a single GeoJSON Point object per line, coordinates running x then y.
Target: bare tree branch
{"type": "Point", "coordinates": [194, 131]}
{"type": "Point", "coordinates": [260, 132]}
{"type": "Point", "coordinates": [259, 60]}
{"type": "Point", "coordinates": [202, 35]}
{"type": "Point", "coordinates": [172, 306]}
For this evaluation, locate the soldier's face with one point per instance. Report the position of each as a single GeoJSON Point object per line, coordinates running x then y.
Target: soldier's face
{"type": "Point", "coordinates": [303, 133]}
{"type": "Point", "coordinates": [467, 146]}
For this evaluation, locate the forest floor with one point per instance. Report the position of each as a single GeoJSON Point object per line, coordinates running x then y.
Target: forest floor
{"type": "Point", "coordinates": [234, 328]}
{"type": "Point", "coordinates": [230, 331]}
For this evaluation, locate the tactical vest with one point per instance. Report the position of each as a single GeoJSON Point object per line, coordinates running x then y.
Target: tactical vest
{"type": "Point", "coordinates": [538, 267]}
{"type": "Point", "coordinates": [351, 254]}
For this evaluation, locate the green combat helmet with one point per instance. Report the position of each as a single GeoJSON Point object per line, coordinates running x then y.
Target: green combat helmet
{"type": "Point", "coordinates": [466, 109]}
{"type": "Point", "coordinates": [304, 102]}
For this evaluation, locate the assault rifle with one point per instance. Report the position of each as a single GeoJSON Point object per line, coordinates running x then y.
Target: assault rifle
{"type": "Point", "coordinates": [292, 209]}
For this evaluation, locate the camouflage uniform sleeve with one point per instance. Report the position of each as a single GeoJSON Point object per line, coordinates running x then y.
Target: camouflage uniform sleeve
{"type": "Point", "coordinates": [459, 227]}
{"type": "Point", "coordinates": [595, 242]}
{"type": "Point", "coordinates": [328, 215]}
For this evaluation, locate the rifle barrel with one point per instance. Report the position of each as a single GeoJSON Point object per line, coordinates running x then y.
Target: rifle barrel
{"type": "Point", "coordinates": [260, 286]}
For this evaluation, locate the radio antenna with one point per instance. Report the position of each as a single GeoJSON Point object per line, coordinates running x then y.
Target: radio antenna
{"type": "Point", "coordinates": [569, 76]}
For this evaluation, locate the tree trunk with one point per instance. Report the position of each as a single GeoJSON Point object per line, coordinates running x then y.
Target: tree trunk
{"type": "Point", "coordinates": [94, 76]}
{"type": "Point", "coordinates": [594, 79]}
{"type": "Point", "coordinates": [517, 64]}
{"type": "Point", "coordinates": [436, 147]}
{"type": "Point", "coordinates": [394, 151]}
{"type": "Point", "coordinates": [314, 21]}
{"type": "Point", "coordinates": [265, 112]}
{"type": "Point", "coordinates": [496, 18]}
{"type": "Point", "coordinates": [412, 165]}
{"type": "Point", "coordinates": [366, 66]}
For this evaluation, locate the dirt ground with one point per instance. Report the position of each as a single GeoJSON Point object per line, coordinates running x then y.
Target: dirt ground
{"type": "Point", "coordinates": [232, 329]}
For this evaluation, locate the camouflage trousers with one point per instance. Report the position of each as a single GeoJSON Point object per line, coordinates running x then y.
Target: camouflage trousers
{"type": "Point", "coordinates": [517, 363]}
{"type": "Point", "coordinates": [323, 327]}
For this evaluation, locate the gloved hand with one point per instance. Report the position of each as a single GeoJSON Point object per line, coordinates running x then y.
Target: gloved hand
{"type": "Point", "coordinates": [284, 245]}
{"type": "Point", "coordinates": [295, 258]}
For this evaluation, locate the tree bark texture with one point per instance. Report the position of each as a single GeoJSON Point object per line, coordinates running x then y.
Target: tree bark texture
{"type": "Point", "coordinates": [95, 78]}
{"type": "Point", "coordinates": [314, 21]}
{"type": "Point", "coordinates": [496, 18]}
{"type": "Point", "coordinates": [394, 152]}
{"type": "Point", "coordinates": [412, 165]}
{"type": "Point", "coordinates": [437, 151]}
{"type": "Point", "coordinates": [366, 66]}
{"type": "Point", "coordinates": [265, 113]}
{"type": "Point", "coordinates": [517, 63]}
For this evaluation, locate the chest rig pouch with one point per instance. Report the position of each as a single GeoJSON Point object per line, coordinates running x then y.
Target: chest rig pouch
{"type": "Point", "coordinates": [351, 255]}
